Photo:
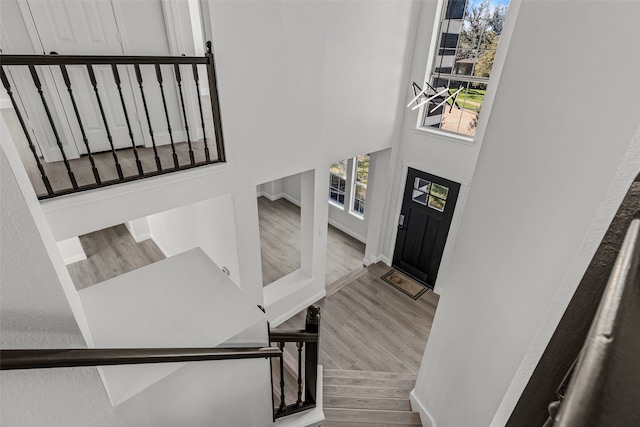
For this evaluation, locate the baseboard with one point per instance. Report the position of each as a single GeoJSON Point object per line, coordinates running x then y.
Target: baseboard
{"type": "Point", "coordinates": [347, 231]}
{"type": "Point", "coordinates": [162, 138]}
{"type": "Point", "coordinates": [425, 416]}
{"type": "Point", "coordinates": [273, 198]}
{"type": "Point", "coordinates": [141, 237]}
{"type": "Point", "coordinates": [137, 237]}
{"type": "Point", "coordinates": [74, 258]}
{"type": "Point", "coordinates": [373, 260]}
{"type": "Point", "coordinates": [71, 250]}
{"type": "Point", "coordinates": [164, 251]}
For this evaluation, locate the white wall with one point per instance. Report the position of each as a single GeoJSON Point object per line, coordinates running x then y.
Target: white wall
{"type": "Point", "coordinates": [548, 179]}
{"type": "Point", "coordinates": [209, 225]}
{"type": "Point", "coordinates": [35, 313]}
{"type": "Point", "coordinates": [71, 250]}
{"type": "Point", "coordinates": [433, 152]}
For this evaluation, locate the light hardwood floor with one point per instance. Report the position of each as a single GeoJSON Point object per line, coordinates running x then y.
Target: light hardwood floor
{"type": "Point", "coordinates": [280, 244]}
{"type": "Point", "coordinates": [110, 253]}
{"type": "Point", "coordinates": [81, 167]}
{"type": "Point", "coordinates": [368, 325]}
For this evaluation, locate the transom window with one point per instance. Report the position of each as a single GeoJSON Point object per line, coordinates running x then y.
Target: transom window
{"type": "Point", "coordinates": [469, 35]}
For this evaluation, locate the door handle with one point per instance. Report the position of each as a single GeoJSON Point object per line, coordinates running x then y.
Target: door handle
{"type": "Point", "coordinates": [401, 222]}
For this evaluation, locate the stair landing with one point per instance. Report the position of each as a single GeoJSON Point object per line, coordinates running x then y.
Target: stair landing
{"type": "Point", "coordinates": [181, 301]}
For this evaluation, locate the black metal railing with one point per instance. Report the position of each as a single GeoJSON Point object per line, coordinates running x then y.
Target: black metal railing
{"type": "Point", "coordinates": [300, 368]}
{"type": "Point", "coordinates": [603, 384]}
{"type": "Point", "coordinates": [58, 68]}
{"type": "Point", "coordinates": [307, 343]}
{"type": "Point", "coordinates": [69, 358]}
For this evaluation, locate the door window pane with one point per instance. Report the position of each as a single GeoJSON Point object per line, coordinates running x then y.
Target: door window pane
{"type": "Point", "coordinates": [436, 203]}
{"type": "Point", "coordinates": [440, 191]}
{"type": "Point", "coordinates": [419, 197]}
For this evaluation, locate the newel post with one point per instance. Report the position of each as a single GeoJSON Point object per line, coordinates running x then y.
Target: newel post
{"type": "Point", "coordinates": [312, 352]}
{"type": "Point", "coordinates": [215, 102]}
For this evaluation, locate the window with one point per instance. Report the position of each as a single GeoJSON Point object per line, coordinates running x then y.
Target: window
{"type": "Point", "coordinates": [469, 35]}
{"type": "Point", "coordinates": [338, 182]}
{"type": "Point", "coordinates": [348, 181]}
{"type": "Point", "coordinates": [360, 184]}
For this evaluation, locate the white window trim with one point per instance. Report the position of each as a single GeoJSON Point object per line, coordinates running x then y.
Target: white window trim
{"type": "Point", "coordinates": [349, 190]}
{"type": "Point", "coordinates": [492, 85]}
{"type": "Point", "coordinates": [334, 202]}
{"type": "Point", "coordinates": [353, 190]}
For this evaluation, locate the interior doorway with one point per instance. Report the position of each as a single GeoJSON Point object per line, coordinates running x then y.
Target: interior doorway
{"type": "Point", "coordinates": [425, 218]}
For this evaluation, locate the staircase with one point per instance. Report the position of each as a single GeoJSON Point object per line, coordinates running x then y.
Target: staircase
{"type": "Point", "coordinates": [366, 398]}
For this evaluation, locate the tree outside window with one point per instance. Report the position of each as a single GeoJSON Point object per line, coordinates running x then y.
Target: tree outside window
{"type": "Point", "coordinates": [360, 184]}
{"type": "Point", "coordinates": [469, 35]}
{"type": "Point", "coordinates": [348, 181]}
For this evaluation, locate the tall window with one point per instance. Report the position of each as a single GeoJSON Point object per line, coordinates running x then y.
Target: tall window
{"type": "Point", "coordinates": [360, 184]}
{"type": "Point", "coordinates": [338, 182]}
{"type": "Point", "coordinates": [348, 182]}
{"type": "Point", "coordinates": [469, 35]}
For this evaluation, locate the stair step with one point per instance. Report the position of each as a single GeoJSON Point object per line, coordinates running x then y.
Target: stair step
{"type": "Point", "coordinates": [367, 392]}
{"type": "Point", "coordinates": [334, 287]}
{"type": "Point", "coordinates": [404, 384]}
{"type": "Point", "coordinates": [326, 423]}
{"type": "Point", "coordinates": [370, 416]}
{"type": "Point", "coordinates": [344, 373]}
{"type": "Point", "coordinates": [350, 402]}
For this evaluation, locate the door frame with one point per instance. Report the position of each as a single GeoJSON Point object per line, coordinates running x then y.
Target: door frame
{"type": "Point", "coordinates": [455, 221]}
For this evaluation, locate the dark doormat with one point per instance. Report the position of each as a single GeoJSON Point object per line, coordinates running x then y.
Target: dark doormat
{"type": "Point", "coordinates": [405, 284]}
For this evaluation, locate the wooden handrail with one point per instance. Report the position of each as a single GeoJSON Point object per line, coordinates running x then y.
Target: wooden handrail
{"type": "Point", "coordinates": [180, 73]}
{"type": "Point", "coordinates": [605, 380]}
{"type": "Point", "coordinates": [293, 335]}
{"type": "Point", "coordinates": [67, 358]}
{"type": "Point", "coordinates": [98, 59]}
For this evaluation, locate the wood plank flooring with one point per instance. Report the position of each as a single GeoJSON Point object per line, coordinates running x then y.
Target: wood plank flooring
{"type": "Point", "coordinates": [280, 243]}
{"type": "Point", "coordinates": [368, 325]}
{"type": "Point", "coordinates": [279, 238]}
{"type": "Point", "coordinates": [81, 167]}
{"type": "Point", "coordinates": [110, 253]}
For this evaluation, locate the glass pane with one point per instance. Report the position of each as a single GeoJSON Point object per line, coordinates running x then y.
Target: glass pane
{"type": "Point", "coordinates": [455, 9]}
{"type": "Point", "coordinates": [361, 192]}
{"type": "Point", "coordinates": [440, 191]}
{"type": "Point", "coordinates": [362, 170]}
{"type": "Point", "coordinates": [449, 40]}
{"type": "Point", "coordinates": [465, 60]}
{"type": "Point", "coordinates": [437, 204]}
{"type": "Point", "coordinates": [421, 184]}
{"type": "Point", "coordinates": [419, 197]}
{"type": "Point", "coordinates": [339, 168]}
{"type": "Point", "coordinates": [358, 206]}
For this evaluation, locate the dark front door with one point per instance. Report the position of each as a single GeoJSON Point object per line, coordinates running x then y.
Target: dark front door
{"type": "Point", "coordinates": [427, 208]}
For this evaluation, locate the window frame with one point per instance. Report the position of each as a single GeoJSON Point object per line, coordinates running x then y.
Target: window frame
{"type": "Point", "coordinates": [355, 184]}
{"type": "Point", "coordinates": [336, 202]}
{"type": "Point", "coordinates": [496, 70]}
{"type": "Point", "coordinates": [350, 183]}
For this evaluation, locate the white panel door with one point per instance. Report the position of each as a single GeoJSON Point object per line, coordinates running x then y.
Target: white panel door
{"type": "Point", "coordinates": [88, 27]}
